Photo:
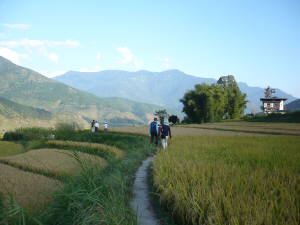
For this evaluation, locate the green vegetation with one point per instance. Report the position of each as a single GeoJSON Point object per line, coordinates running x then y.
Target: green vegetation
{"type": "Point", "coordinates": [93, 196]}
{"type": "Point", "coordinates": [290, 117]}
{"type": "Point", "coordinates": [12, 109]}
{"type": "Point", "coordinates": [209, 103]}
{"type": "Point", "coordinates": [230, 180]}
{"type": "Point", "coordinates": [9, 148]}
{"type": "Point", "coordinates": [91, 148]}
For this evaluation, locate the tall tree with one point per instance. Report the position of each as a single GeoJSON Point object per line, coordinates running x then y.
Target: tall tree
{"type": "Point", "coordinates": [236, 100]}
{"type": "Point", "coordinates": [208, 103]}
{"type": "Point", "coordinates": [204, 104]}
{"type": "Point", "coordinates": [161, 114]}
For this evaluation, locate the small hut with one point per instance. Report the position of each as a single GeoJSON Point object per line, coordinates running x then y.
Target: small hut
{"type": "Point", "coordinates": [272, 104]}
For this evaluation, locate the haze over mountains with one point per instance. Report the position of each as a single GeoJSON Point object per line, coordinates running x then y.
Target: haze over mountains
{"type": "Point", "coordinates": [29, 98]}
{"type": "Point", "coordinates": [29, 88]}
{"type": "Point", "coordinates": [163, 88]}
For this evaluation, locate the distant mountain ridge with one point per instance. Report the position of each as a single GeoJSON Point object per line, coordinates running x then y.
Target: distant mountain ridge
{"type": "Point", "coordinates": [163, 88]}
{"type": "Point", "coordinates": [27, 87]}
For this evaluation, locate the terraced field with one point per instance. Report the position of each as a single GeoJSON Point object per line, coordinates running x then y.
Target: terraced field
{"type": "Point", "coordinates": [189, 130]}
{"type": "Point", "coordinates": [9, 148]}
{"type": "Point", "coordinates": [239, 128]}
{"type": "Point", "coordinates": [251, 127]}
{"type": "Point", "coordinates": [31, 177]}
{"type": "Point", "coordinates": [94, 147]}
{"type": "Point", "coordinates": [53, 162]}
{"type": "Point", "coordinates": [31, 191]}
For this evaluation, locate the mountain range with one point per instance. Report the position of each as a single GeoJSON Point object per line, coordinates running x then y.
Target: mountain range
{"type": "Point", "coordinates": [26, 87]}
{"type": "Point", "coordinates": [162, 88]}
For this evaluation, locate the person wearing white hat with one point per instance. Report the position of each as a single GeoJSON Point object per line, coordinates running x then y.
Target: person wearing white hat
{"type": "Point", "coordinates": [165, 134]}
{"type": "Point", "coordinates": [105, 126]}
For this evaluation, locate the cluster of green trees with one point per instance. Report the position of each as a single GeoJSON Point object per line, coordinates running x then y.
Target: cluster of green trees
{"type": "Point", "coordinates": [210, 103]}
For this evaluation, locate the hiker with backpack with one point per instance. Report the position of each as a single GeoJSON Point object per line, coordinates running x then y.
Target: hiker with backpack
{"type": "Point", "coordinates": [93, 126]}
{"type": "Point", "coordinates": [165, 134]}
{"type": "Point", "coordinates": [154, 131]}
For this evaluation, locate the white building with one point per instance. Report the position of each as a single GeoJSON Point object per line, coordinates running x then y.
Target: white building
{"type": "Point", "coordinates": [273, 104]}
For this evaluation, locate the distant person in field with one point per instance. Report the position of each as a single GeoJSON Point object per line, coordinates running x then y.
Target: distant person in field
{"type": "Point", "coordinates": [165, 134]}
{"type": "Point", "coordinates": [93, 126]}
{"type": "Point", "coordinates": [105, 126]}
{"type": "Point", "coordinates": [154, 131]}
{"type": "Point", "coordinates": [96, 126]}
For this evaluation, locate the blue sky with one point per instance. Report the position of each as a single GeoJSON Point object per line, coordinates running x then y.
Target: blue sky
{"type": "Point", "coordinates": [257, 41]}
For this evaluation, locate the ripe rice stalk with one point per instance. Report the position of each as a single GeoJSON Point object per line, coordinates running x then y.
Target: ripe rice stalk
{"type": "Point", "coordinates": [272, 128]}
{"type": "Point", "coordinates": [230, 180]}
{"type": "Point", "coordinates": [29, 190]}
{"type": "Point", "coordinates": [110, 150]}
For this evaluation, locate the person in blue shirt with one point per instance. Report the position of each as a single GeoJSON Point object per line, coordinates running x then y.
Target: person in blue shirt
{"type": "Point", "coordinates": [154, 131]}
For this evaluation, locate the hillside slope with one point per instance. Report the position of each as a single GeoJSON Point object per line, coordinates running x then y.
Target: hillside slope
{"type": "Point", "coordinates": [12, 109]}
{"type": "Point", "coordinates": [163, 88]}
{"type": "Point", "coordinates": [28, 87]}
{"type": "Point", "coordinates": [293, 106]}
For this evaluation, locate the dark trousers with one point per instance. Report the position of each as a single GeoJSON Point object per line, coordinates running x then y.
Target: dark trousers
{"type": "Point", "coordinates": [154, 136]}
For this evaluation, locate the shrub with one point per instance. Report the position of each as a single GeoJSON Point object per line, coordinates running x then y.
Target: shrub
{"type": "Point", "coordinates": [12, 136]}
{"type": "Point", "coordinates": [65, 130]}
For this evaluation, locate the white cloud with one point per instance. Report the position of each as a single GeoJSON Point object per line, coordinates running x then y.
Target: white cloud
{"type": "Point", "coordinates": [166, 62]}
{"type": "Point", "coordinates": [126, 54]}
{"type": "Point", "coordinates": [128, 58]}
{"type": "Point", "coordinates": [42, 47]}
{"type": "Point", "coordinates": [11, 55]}
{"type": "Point", "coordinates": [53, 57]}
{"type": "Point", "coordinates": [51, 74]}
{"type": "Point", "coordinates": [2, 35]}
{"type": "Point", "coordinates": [17, 26]}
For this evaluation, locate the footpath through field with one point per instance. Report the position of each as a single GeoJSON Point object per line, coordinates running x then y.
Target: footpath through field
{"type": "Point", "coordinates": [141, 200]}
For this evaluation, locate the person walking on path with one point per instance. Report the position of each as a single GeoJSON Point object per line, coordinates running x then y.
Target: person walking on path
{"type": "Point", "coordinates": [96, 126]}
{"type": "Point", "coordinates": [165, 134]}
{"type": "Point", "coordinates": [154, 131]}
{"type": "Point", "coordinates": [105, 126]}
{"type": "Point", "coordinates": [93, 126]}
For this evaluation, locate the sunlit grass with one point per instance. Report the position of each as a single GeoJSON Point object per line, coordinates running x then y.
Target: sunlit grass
{"type": "Point", "coordinates": [231, 180]}
{"type": "Point", "coordinates": [31, 191]}
{"type": "Point", "coordinates": [10, 148]}
{"type": "Point", "coordinates": [259, 127]}
{"type": "Point", "coordinates": [53, 162]}
{"type": "Point", "coordinates": [188, 130]}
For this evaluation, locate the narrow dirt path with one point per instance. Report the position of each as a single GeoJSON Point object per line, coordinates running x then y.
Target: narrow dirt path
{"type": "Point", "coordinates": [141, 200]}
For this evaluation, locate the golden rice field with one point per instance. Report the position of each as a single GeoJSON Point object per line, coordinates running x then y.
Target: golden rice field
{"type": "Point", "coordinates": [184, 131]}
{"type": "Point", "coordinates": [231, 180]}
{"type": "Point", "coordinates": [10, 148]}
{"type": "Point", "coordinates": [31, 191]}
{"type": "Point", "coordinates": [93, 146]}
{"type": "Point", "coordinates": [276, 128]}
{"type": "Point", "coordinates": [53, 162]}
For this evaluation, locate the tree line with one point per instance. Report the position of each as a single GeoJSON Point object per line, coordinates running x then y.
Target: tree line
{"type": "Point", "coordinates": [215, 102]}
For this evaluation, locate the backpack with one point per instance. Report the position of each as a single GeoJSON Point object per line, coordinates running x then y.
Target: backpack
{"type": "Point", "coordinates": [153, 128]}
